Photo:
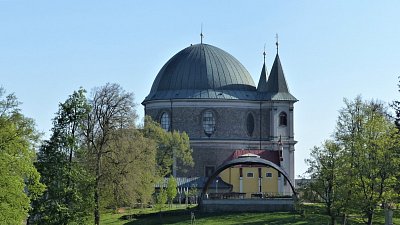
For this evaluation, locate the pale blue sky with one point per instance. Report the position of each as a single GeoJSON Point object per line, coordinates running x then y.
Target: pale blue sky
{"type": "Point", "coordinates": [329, 50]}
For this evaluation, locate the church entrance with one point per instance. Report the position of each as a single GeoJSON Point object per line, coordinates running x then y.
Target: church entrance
{"type": "Point", "coordinates": [214, 201]}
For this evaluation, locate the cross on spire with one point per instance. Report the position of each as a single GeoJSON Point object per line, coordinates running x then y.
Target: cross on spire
{"type": "Point", "coordinates": [264, 53]}
{"type": "Point", "coordinates": [201, 34]}
{"type": "Point", "coordinates": [277, 43]}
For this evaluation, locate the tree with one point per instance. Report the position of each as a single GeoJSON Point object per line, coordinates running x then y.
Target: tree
{"type": "Point", "coordinates": [112, 110]}
{"type": "Point", "coordinates": [170, 146]}
{"type": "Point", "coordinates": [161, 199]}
{"type": "Point", "coordinates": [325, 169]}
{"type": "Point", "coordinates": [359, 169]}
{"type": "Point", "coordinates": [171, 190]}
{"type": "Point", "coordinates": [19, 178]}
{"type": "Point", "coordinates": [193, 193]}
{"type": "Point", "coordinates": [68, 195]}
{"type": "Point", "coordinates": [130, 174]}
{"type": "Point", "coordinates": [370, 143]}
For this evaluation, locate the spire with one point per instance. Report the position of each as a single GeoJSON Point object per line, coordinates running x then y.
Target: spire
{"type": "Point", "coordinates": [276, 81]}
{"type": "Point", "coordinates": [276, 88]}
{"type": "Point", "coordinates": [262, 83]}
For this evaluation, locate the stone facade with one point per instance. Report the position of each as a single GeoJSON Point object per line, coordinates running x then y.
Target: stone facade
{"type": "Point", "coordinates": [231, 132]}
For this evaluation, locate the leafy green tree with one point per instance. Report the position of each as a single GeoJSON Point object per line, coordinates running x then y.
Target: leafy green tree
{"type": "Point", "coordinates": [112, 110]}
{"type": "Point", "coordinates": [325, 169]}
{"type": "Point", "coordinates": [170, 146]}
{"type": "Point", "coordinates": [370, 143]}
{"type": "Point", "coordinates": [130, 169]}
{"type": "Point", "coordinates": [161, 199]}
{"type": "Point", "coordinates": [68, 196]}
{"type": "Point", "coordinates": [181, 152]}
{"type": "Point", "coordinates": [193, 193]}
{"type": "Point", "coordinates": [171, 190]}
{"type": "Point", "coordinates": [359, 170]}
{"type": "Point", "coordinates": [19, 179]}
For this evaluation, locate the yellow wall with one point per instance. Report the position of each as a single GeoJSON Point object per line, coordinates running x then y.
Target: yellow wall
{"type": "Point", "coordinates": [250, 184]}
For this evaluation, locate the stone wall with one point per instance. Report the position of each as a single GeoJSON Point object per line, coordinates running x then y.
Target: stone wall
{"type": "Point", "coordinates": [230, 123]}
{"type": "Point", "coordinates": [247, 205]}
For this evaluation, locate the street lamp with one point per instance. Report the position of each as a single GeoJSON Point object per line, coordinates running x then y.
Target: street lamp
{"type": "Point", "coordinates": [216, 186]}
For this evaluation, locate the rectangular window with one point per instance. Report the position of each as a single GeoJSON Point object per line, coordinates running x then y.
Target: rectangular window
{"type": "Point", "coordinates": [268, 174]}
{"type": "Point", "coordinates": [250, 174]}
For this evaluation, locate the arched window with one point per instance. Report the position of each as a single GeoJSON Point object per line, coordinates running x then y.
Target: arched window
{"type": "Point", "coordinates": [208, 123]}
{"type": "Point", "coordinates": [164, 121]}
{"type": "Point", "coordinates": [282, 119]}
{"type": "Point", "coordinates": [250, 124]}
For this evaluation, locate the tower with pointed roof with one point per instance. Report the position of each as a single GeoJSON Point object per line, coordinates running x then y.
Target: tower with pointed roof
{"type": "Point", "coordinates": [210, 95]}
{"type": "Point", "coordinates": [278, 102]}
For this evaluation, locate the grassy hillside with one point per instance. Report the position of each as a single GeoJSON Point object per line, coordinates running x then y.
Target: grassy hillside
{"type": "Point", "coordinates": [313, 215]}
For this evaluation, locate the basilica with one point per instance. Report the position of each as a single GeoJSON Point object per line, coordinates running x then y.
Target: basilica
{"type": "Point", "coordinates": [209, 94]}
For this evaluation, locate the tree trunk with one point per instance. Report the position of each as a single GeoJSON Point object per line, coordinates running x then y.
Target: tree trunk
{"type": "Point", "coordinates": [369, 217]}
{"type": "Point", "coordinates": [96, 208]}
{"type": "Point", "coordinates": [344, 219]}
{"type": "Point", "coordinates": [333, 220]}
{"type": "Point", "coordinates": [388, 216]}
{"type": "Point", "coordinates": [96, 192]}
{"type": "Point", "coordinates": [331, 215]}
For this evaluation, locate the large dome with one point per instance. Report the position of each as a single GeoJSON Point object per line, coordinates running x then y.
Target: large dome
{"type": "Point", "coordinates": [202, 71]}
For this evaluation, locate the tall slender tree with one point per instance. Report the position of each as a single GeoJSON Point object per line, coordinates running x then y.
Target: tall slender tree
{"type": "Point", "coordinates": [171, 190]}
{"type": "Point", "coordinates": [112, 110]}
{"type": "Point", "coordinates": [67, 198]}
{"type": "Point", "coordinates": [326, 181]}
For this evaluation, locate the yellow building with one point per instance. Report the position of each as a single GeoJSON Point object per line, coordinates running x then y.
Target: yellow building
{"type": "Point", "coordinates": [255, 181]}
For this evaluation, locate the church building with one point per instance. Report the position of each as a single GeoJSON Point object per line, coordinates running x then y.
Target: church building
{"type": "Point", "coordinates": [209, 94]}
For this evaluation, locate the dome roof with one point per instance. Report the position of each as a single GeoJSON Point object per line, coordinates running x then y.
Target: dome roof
{"type": "Point", "coordinates": [202, 71]}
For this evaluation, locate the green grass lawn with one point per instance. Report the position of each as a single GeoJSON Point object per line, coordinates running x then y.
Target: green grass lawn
{"type": "Point", "coordinates": [313, 215]}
